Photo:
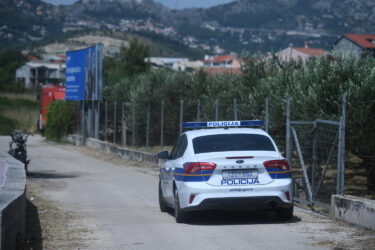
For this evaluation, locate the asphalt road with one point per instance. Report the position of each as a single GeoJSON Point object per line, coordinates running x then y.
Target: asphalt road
{"type": "Point", "coordinates": [117, 202]}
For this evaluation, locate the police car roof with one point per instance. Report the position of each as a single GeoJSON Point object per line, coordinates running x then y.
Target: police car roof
{"type": "Point", "coordinates": [217, 131]}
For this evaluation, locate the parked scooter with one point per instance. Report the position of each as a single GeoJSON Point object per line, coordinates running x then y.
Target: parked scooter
{"type": "Point", "coordinates": [20, 151]}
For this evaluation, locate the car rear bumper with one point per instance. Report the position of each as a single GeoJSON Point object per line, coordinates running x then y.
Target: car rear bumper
{"type": "Point", "coordinates": [270, 202]}
{"type": "Point", "coordinates": [237, 197]}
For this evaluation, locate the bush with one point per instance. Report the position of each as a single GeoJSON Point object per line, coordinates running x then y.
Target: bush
{"type": "Point", "coordinates": [60, 119]}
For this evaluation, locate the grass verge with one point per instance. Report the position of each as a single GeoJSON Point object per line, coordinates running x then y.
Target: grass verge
{"type": "Point", "coordinates": [18, 111]}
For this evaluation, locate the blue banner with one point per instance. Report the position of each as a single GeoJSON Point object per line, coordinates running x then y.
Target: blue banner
{"type": "Point", "coordinates": [75, 75]}
{"type": "Point", "coordinates": [84, 74]}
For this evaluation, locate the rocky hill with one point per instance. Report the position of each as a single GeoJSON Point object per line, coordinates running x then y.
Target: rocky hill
{"type": "Point", "coordinates": [256, 25]}
{"type": "Point", "coordinates": [113, 10]}
{"type": "Point", "coordinates": [326, 15]}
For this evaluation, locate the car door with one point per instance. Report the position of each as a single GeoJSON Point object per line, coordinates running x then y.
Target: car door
{"type": "Point", "coordinates": [174, 162]}
{"type": "Point", "coordinates": [167, 183]}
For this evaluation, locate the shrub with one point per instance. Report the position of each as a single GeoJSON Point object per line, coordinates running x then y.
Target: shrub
{"type": "Point", "coordinates": [60, 119]}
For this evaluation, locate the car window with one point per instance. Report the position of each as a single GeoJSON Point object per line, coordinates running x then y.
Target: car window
{"type": "Point", "coordinates": [179, 148]}
{"type": "Point", "coordinates": [174, 149]}
{"type": "Point", "coordinates": [232, 142]}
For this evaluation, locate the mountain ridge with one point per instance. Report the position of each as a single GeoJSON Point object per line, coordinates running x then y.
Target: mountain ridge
{"type": "Point", "coordinates": [242, 24]}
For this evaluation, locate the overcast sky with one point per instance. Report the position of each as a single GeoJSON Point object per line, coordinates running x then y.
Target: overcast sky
{"type": "Point", "coordinates": [173, 4]}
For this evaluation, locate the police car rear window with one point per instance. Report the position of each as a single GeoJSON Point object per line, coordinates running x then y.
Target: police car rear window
{"type": "Point", "coordinates": [232, 142]}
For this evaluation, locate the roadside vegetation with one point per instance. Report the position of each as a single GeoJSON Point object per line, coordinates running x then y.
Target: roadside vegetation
{"type": "Point", "coordinates": [10, 60]}
{"type": "Point", "coordinates": [315, 91]}
{"type": "Point", "coordinates": [18, 111]}
{"type": "Point", "coordinates": [19, 108]}
{"type": "Point", "coordinates": [60, 117]}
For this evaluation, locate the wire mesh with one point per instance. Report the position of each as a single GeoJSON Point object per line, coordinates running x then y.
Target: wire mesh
{"type": "Point", "coordinates": [318, 145]}
{"type": "Point", "coordinates": [139, 124]}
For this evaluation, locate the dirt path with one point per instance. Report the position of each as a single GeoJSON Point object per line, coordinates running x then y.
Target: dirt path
{"type": "Point", "coordinates": [87, 200]}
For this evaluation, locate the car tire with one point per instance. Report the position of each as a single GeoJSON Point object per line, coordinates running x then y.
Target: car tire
{"type": "Point", "coordinates": [178, 214]}
{"type": "Point", "coordinates": [163, 206]}
{"type": "Point", "coordinates": [284, 213]}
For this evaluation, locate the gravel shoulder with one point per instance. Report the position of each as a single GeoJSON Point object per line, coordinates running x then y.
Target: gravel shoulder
{"type": "Point", "coordinates": [49, 227]}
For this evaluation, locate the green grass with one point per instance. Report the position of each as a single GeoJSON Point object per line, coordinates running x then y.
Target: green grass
{"type": "Point", "coordinates": [18, 111]}
{"type": "Point", "coordinates": [8, 103]}
{"type": "Point", "coordinates": [7, 125]}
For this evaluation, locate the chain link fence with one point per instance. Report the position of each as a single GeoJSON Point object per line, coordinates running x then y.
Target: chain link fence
{"type": "Point", "coordinates": [153, 127]}
{"type": "Point", "coordinates": [315, 160]}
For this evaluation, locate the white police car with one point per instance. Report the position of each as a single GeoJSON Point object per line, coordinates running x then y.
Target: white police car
{"type": "Point", "coordinates": [219, 168]}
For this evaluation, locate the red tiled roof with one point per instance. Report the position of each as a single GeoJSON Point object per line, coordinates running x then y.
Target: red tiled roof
{"type": "Point", "coordinates": [32, 58]}
{"type": "Point", "coordinates": [363, 40]}
{"type": "Point", "coordinates": [311, 51]}
{"type": "Point", "coordinates": [217, 71]}
{"type": "Point", "coordinates": [219, 59]}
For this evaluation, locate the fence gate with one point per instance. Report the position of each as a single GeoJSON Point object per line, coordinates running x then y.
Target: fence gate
{"type": "Point", "coordinates": [316, 155]}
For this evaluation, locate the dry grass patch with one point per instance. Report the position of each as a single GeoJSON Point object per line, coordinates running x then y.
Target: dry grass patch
{"type": "Point", "coordinates": [26, 119]}
{"type": "Point", "coordinates": [15, 96]}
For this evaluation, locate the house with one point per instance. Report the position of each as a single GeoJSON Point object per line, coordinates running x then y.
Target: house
{"type": "Point", "coordinates": [221, 64]}
{"type": "Point", "coordinates": [355, 44]}
{"type": "Point", "coordinates": [32, 58]}
{"type": "Point", "coordinates": [35, 73]}
{"type": "Point", "coordinates": [188, 66]}
{"type": "Point", "coordinates": [160, 62]}
{"type": "Point", "coordinates": [214, 71]}
{"type": "Point", "coordinates": [298, 53]}
{"type": "Point", "coordinates": [223, 61]}
{"type": "Point", "coordinates": [54, 58]}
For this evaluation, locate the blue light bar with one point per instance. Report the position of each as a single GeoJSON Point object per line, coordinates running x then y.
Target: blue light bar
{"type": "Point", "coordinates": [221, 124]}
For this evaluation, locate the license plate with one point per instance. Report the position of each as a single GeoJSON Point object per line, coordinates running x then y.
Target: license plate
{"type": "Point", "coordinates": [240, 174]}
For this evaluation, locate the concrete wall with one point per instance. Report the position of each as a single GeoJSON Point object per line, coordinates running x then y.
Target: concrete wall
{"type": "Point", "coordinates": [125, 153]}
{"type": "Point", "coordinates": [354, 210]}
{"type": "Point", "coordinates": [12, 201]}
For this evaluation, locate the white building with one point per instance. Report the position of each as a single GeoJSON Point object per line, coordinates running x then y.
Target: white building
{"type": "Point", "coordinates": [187, 66]}
{"type": "Point", "coordinates": [35, 73]}
{"type": "Point", "coordinates": [160, 62]}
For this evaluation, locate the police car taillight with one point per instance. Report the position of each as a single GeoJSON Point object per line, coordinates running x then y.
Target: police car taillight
{"type": "Point", "coordinates": [195, 167]}
{"type": "Point", "coordinates": [282, 164]}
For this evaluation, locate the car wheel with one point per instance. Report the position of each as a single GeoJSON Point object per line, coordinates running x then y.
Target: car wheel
{"type": "Point", "coordinates": [162, 204]}
{"type": "Point", "coordinates": [178, 214]}
{"type": "Point", "coordinates": [284, 213]}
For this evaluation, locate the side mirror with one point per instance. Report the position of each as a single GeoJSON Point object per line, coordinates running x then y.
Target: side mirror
{"type": "Point", "coordinates": [164, 155]}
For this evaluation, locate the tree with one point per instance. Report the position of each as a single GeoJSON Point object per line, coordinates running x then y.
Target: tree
{"type": "Point", "coordinates": [9, 62]}
{"type": "Point", "coordinates": [132, 59]}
